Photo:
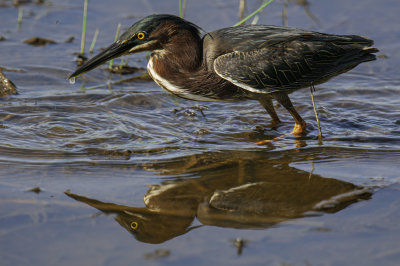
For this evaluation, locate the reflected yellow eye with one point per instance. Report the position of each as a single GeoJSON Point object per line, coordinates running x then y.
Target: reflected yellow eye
{"type": "Point", "coordinates": [141, 35]}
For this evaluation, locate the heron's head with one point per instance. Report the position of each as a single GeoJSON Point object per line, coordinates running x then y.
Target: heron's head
{"type": "Point", "coordinates": [152, 33]}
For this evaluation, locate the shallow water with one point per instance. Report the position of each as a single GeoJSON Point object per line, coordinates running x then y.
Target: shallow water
{"type": "Point", "coordinates": [128, 172]}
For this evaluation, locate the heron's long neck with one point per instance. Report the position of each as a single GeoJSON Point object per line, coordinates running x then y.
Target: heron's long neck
{"type": "Point", "coordinates": [179, 69]}
{"type": "Point", "coordinates": [182, 54]}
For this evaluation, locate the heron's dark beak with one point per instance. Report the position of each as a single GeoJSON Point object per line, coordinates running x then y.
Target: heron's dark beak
{"type": "Point", "coordinates": [114, 50]}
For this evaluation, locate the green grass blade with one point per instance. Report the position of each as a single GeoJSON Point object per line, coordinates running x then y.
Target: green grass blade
{"type": "Point", "coordinates": [182, 7]}
{"type": "Point", "coordinates": [115, 39]}
{"type": "Point", "coordinates": [20, 14]}
{"type": "Point", "coordinates": [84, 27]}
{"type": "Point", "coordinates": [96, 33]}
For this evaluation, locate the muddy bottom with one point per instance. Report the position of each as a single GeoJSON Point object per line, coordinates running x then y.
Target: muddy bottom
{"type": "Point", "coordinates": [113, 170]}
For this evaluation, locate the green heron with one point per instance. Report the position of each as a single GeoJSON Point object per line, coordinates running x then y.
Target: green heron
{"type": "Point", "coordinates": [255, 62]}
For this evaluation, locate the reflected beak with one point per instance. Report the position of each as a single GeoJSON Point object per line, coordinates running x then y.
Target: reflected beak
{"type": "Point", "coordinates": [114, 50]}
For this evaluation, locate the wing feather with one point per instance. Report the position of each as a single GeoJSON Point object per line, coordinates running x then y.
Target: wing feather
{"type": "Point", "coordinates": [288, 60]}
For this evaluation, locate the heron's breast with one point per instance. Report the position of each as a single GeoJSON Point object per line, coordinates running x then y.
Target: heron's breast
{"type": "Point", "coordinates": [179, 90]}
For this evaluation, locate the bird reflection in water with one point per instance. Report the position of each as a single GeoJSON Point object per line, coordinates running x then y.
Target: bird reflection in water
{"type": "Point", "coordinates": [257, 192]}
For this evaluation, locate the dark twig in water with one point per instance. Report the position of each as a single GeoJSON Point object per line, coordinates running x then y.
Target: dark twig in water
{"type": "Point", "coordinates": [239, 243]}
{"type": "Point", "coordinates": [312, 89]}
{"type": "Point", "coordinates": [11, 69]}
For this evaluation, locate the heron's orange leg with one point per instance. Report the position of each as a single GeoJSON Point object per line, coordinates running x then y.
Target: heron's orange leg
{"type": "Point", "coordinates": [266, 102]}
{"type": "Point", "coordinates": [300, 125]}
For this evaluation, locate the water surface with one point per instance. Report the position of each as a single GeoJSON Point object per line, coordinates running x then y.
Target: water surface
{"type": "Point", "coordinates": [94, 174]}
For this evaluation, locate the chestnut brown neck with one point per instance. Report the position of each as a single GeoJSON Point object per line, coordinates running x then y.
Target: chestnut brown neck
{"type": "Point", "coordinates": [180, 52]}
{"type": "Point", "coordinates": [178, 66]}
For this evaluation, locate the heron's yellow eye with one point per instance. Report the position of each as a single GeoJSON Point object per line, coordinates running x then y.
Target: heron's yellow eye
{"type": "Point", "coordinates": [134, 225]}
{"type": "Point", "coordinates": [141, 35]}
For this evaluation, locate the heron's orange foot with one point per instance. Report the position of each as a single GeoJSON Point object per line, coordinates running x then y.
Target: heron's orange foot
{"type": "Point", "coordinates": [299, 130]}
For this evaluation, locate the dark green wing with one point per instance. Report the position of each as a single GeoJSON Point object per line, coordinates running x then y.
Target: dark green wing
{"type": "Point", "coordinates": [291, 59]}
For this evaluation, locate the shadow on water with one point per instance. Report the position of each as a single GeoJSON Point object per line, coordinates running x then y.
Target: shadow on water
{"type": "Point", "coordinates": [226, 190]}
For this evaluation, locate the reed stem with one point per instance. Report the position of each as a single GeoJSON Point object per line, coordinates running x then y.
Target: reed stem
{"type": "Point", "coordinates": [182, 8]}
{"type": "Point", "coordinates": [265, 4]}
{"type": "Point", "coordinates": [312, 89]}
{"type": "Point", "coordinates": [96, 34]}
{"type": "Point", "coordinates": [20, 13]}
{"type": "Point", "coordinates": [85, 5]}
{"type": "Point", "coordinates": [115, 39]}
